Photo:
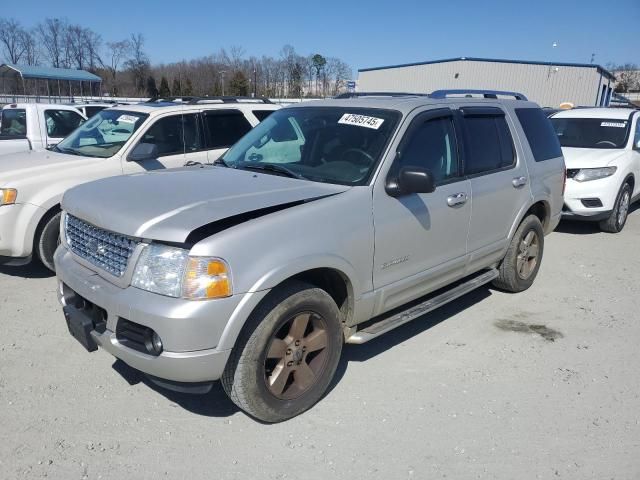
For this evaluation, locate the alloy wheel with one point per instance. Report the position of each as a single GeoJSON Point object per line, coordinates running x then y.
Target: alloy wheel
{"type": "Point", "coordinates": [527, 258]}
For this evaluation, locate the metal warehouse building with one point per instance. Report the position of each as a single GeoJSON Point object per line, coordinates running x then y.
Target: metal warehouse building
{"type": "Point", "coordinates": [548, 84]}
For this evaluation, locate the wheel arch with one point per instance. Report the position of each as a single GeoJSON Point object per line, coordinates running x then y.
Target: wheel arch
{"type": "Point", "coordinates": [540, 209]}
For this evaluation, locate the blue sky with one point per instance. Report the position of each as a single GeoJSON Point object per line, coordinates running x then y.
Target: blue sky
{"type": "Point", "coordinates": [364, 34]}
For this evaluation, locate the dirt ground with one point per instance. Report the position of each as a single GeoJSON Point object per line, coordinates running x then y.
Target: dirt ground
{"type": "Point", "coordinates": [543, 384]}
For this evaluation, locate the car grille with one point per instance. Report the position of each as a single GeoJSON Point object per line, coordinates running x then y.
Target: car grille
{"type": "Point", "coordinates": [106, 250]}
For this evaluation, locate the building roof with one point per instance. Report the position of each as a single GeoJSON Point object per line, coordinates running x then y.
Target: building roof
{"type": "Point", "coordinates": [49, 73]}
{"type": "Point", "coordinates": [601, 70]}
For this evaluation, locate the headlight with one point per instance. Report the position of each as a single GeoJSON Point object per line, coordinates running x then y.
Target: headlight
{"type": "Point", "coordinates": [587, 174]}
{"type": "Point", "coordinates": [172, 272]}
{"type": "Point", "coordinates": [8, 196]}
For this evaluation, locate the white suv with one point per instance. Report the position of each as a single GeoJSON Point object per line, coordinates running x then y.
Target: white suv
{"type": "Point", "coordinates": [601, 148]}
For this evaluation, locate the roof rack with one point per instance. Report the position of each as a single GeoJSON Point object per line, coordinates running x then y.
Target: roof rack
{"type": "Point", "coordinates": [484, 93]}
{"type": "Point", "coordinates": [192, 100]}
{"type": "Point", "coordinates": [379, 94]}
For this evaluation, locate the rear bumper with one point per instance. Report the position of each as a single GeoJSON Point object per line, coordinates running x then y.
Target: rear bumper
{"type": "Point", "coordinates": [190, 330]}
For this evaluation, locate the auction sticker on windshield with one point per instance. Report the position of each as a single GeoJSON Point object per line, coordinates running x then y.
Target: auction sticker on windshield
{"type": "Point", "coordinates": [127, 119]}
{"type": "Point", "coordinates": [361, 121]}
{"type": "Point", "coordinates": [614, 124]}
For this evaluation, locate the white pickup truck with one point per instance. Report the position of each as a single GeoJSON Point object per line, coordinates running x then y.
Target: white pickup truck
{"type": "Point", "coordinates": [36, 126]}
{"type": "Point", "coordinates": [120, 140]}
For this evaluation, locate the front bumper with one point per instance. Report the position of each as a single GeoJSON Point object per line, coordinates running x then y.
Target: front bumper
{"type": "Point", "coordinates": [605, 190]}
{"type": "Point", "coordinates": [190, 330]}
{"type": "Point", "coordinates": [18, 225]}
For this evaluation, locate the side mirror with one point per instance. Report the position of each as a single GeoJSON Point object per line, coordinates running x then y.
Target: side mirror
{"type": "Point", "coordinates": [410, 180]}
{"type": "Point", "coordinates": [143, 151]}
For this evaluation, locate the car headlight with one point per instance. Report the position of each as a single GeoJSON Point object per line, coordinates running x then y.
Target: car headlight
{"type": "Point", "coordinates": [8, 196]}
{"type": "Point", "coordinates": [172, 272]}
{"type": "Point", "coordinates": [587, 174]}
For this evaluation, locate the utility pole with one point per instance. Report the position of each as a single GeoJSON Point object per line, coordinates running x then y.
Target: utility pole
{"type": "Point", "coordinates": [255, 81]}
{"type": "Point", "coordinates": [222, 72]}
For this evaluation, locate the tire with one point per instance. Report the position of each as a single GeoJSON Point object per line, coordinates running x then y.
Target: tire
{"type": "Point", "coordinates": [618, 218]}
{"type": "Point", "coordinates": [269, 375]}
{"type": "Point", "coordinates": [520, 265]}
{"type": "Point", "coordinates": [48, 240]}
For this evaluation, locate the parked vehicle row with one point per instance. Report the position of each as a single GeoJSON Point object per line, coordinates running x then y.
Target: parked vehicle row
{"type": "Point", "coordinates": [325, 222]}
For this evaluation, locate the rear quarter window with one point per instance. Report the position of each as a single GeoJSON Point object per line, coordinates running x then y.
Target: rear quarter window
{"type": "Point", "coordinates": [540, 134]}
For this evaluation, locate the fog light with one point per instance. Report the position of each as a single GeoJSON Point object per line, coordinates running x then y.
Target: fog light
{"type": "Point", "coordinates": [154, 343]}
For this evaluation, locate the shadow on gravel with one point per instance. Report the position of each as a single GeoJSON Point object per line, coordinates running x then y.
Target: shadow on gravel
{"type": "Point", "coordinates": [216, 404]}
{"type": "Point", "coordinates": [212, 404]}
{"type": "Point", "coordinates": [32, 270]}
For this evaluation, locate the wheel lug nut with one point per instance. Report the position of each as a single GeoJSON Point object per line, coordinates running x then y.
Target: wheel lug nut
{"type": "Point", "coordinates": [304, 349]}
{"type": "Point", "coordinates": [297, 342]}
{"type": "Point", "coordinates": [289, 364]}
{"type": "Point", "coordinates": [288, 351]}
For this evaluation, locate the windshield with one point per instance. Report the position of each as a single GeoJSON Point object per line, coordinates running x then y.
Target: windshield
{"type": "Point", "coordinates": [591, 132]}
{"type": "Point", "coordinates": [103, 135]}
{"type": "Point", "coordinates": [325, 144]}
{"type": "Point", "coordinates": [13, 121]}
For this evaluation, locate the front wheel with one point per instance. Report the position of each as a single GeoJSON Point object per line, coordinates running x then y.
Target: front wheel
{"type": "Point", "coordinates": [616, 221]}
{"type": "Point", "coordinates": [48, 240]}
{"type": "Point", "coordinates": [287, 356]}
{"type": "Point", "coordinates": [520, 265]}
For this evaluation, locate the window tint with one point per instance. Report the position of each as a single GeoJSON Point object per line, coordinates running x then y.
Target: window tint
{"type": "Point", "coordinates": [490, 146]}
{"type": "Point", "coordinates": [61, 123]}
{"type": "Point", "coordinates": [540, 134]}
{"type": "Point", "coordinates": [174, 135]}
{"type": "Point", "coordinates": [225, 128]}
{"type": "Point", "coordinates": [91, 111]}
{"type": "Point", "coordinates": [604, 133]}
{"type": "Point", "coordinates": [262, 114]}
{"type": "Point", "coordinates": [433, 146]}
{"type": "Point", "coordinates": [13, 122]}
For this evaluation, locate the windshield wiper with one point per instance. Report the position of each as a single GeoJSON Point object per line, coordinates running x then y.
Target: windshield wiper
{"type": "Point", "coordinates": [220, 161]}
{"type": "Point", "coordinates": [68, 151]}
{"type": "Point", "coordinates": [274, 167]}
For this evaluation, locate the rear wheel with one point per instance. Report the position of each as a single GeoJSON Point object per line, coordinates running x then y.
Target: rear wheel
{"type": "Point", "coordinates": [48, 240]}
{"type": "Point", "coordinates": [287, 356]}
{"type": "Point", "coordinates": [616, 221]}
{"type": "Point", "coordinates": [520, 265]}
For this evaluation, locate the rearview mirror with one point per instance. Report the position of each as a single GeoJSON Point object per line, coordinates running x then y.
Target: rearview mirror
{"type": "Point", "coordinates": [410, 180]}
{"type": "Point", "coordinates": [143, 151]}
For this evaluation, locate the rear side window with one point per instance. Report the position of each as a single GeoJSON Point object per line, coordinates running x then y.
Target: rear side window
{"type": "Point", "coordinates": [489, 143]}
{"type": "Point", "coordinates": [223, 129]}
{"type": "Point", "coordinates": [174, 135]}
{"type": "Point", "coordinates": [540, 134]}
{"type": "Point", "coordinates": [13, 121]}
{"type": "Point", "coordinates": [91, 111]}
{"type": "Point", "coordinates": [433, 146]}
{"type": "Point", "coordinates": [61, 123]}
{"type": "Point", "coordinates": [262, 114]}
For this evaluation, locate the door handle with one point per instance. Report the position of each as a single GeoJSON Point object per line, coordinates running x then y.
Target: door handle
{"type": "Point", "coordinates": [457, 199]}
{"type": "Point", "coordinates": [519, 182]}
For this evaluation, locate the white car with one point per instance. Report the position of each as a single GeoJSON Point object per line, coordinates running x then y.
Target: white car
{"type": "Point", "coordinates": [119, 140]}
{"type": "Point", "coordinates": [601, 148]}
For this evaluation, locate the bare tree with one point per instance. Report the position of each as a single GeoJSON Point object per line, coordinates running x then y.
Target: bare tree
{"type": "Point", "coordinates": [138, 64]}
{"type": "Point", "coordinates": [117, 52]}
{"type": "Point", "coordinates": [51, 34]}
{"type": "Point", "coordinates": [11, 38]}
{"type": "Point", "coordinates": [31, 54]}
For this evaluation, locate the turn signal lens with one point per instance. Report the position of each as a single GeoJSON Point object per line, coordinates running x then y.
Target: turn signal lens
{"type": "Point", "coordinates": [206, 278]}
{"type": "Point", "coordinates": [8, 196]}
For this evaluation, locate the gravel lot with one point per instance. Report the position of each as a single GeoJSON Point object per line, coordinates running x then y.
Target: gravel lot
{"type": "Point", "coordinates": [543, 384]}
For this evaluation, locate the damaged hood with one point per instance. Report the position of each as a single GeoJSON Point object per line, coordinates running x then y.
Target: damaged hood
{"type": "Point", "coordinates": [168, 205]}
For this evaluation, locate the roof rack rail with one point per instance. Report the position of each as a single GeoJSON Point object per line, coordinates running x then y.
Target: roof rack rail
{"type": "Point", "coordinates": [484, 93]}
{"type": "Point", "coordinates": [379, 94]}
{"type": "Point", "coordinates": [193, 100]}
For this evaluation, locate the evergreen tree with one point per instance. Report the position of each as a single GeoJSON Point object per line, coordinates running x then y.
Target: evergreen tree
{"type": "Point", "coordinates": [175, 87]}
{"type": "Point", "coordinates": [188, 89]}
{"type": "Point", "coordinates": [239, 84]}
{"type": "Point", "coordinates": [152, 90]}
{"type": "Point", "coordinates": [164, 88]}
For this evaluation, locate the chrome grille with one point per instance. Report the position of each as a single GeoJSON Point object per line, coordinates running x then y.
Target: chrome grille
{"type": "Point", "coordinates": [106, 250]}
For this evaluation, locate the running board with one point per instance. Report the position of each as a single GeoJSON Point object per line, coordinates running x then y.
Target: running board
{"type": "Point", "coordinates": [405, 316]}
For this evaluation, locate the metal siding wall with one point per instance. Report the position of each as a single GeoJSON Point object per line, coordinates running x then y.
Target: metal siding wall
{"type": "Point", "coordinates": [540, 83]}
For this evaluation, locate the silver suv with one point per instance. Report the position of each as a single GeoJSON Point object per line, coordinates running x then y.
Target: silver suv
{"type": "Point", "coordinates": [332, 221]}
